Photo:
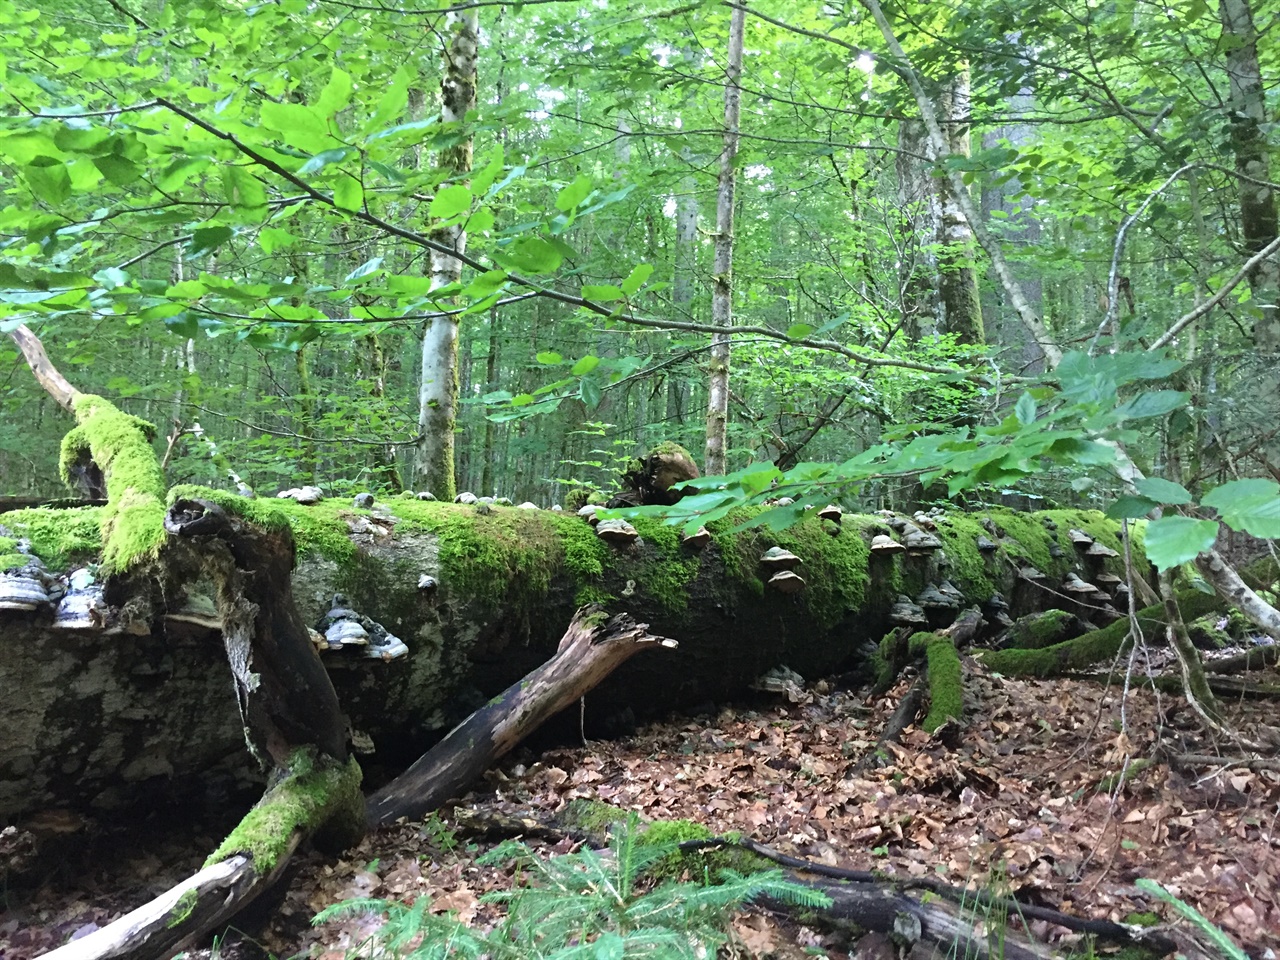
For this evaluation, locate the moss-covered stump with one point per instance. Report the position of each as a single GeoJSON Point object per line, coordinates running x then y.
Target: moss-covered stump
{"type": "Point", "coordinates": [103, 719]}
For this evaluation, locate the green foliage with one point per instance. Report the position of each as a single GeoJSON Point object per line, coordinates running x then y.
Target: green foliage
{"type": "Point", "coordinates": [582, 905]}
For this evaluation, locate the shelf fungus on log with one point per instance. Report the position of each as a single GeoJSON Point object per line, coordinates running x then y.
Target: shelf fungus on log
{"type": "Point", "coordinates": [466, 497]}
{"type": "Point", "coordinates": [698, 539]}
{"type": "Point", "coordinates": [618, 532]}
{"type": "Point", "coordinates": [1030, 573]}
{"type": "Point", "coordinates": [904, 613]}
{"type": "Point", "coordinates": [197, 609]}
{"type": "Point", "coordinates": [883, 545]}
{"type": "Point", "coordinates": [786, 581]}
{"type": "Point", "coordinates": [831, 511]}
{"type": "Point", "coordinates": [986, 545]}
{"type": "Point", "coordinates": [588, 513]}
{"type": "Point", "coordinates": [1073, 584]}
{"type": "Point", "coordinates": [934, 598]}
{"type": "Point", "coordinates": [776, 558]}
{"type": "Point", "coordinates": [527, 505]}
{"type": "Point", "coordinates": [919, 541]}
{"type": "Point", "coordinates": [1097, 549]}
{"type": "Point", "coordinates": [1079, 537]}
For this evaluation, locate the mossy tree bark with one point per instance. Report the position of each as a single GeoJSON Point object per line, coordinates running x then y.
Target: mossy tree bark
{"type": "Point", "coordinates": [591, 648]}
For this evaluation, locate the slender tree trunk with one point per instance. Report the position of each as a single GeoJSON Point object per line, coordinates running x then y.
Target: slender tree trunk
{"type": "Point", "coordinates": [386, 473]}
{"type": "Point", "coordinates": [722, 278]}
{"type": "Point", "coordinates": [307, 403]}
{"type": "Point", "coordinates": [684, 269]}
{"type": "Point", "coordinates": [490, 384]}
{"type": "Point", "coordinates": [438, 385]}
{"type": "Point", "coordinates": [957, 275]}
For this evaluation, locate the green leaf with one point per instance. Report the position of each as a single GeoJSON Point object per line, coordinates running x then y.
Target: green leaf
{"type": "Point", "coordinates": [798, 331]}
{"type": "Point", "coordinates": [366, 268]}
{"type": "Point", "coordinates": [348, 194]}
{"type": "Point", "coordinates": [585, 365]}
{"type": "Point", "coordinates": [119, 170]}
{"type": "Point", "coordinates": [207, 239]}
{"type": "Point", "coordinates": [636, 279]}
{"type": "Point", "coordinates": [1025, 410]}
{"type": "Point", "coordinates": [1163, 491]}
{"type": "Point", "coordinates": [450, 201]}
{"type": "Point", "coordinates": [533, 255]}
{"type": "Point", "coordinates": [1131, 508]}
{"type": "Point", "coordinates": [601, 292]}
{"type": "Point", "coordinates": [394, 100]}
{"type": "Point", "coordinates": [486, 284]}
{"type": "Point", "coordinates": [1154, 404]}
{"type": "Point", "coordinates": [336, 93]}
{"type": "Point", "coordinates": [49, 180]}
{"type": "Point", "coordinates": [572, 195]}
{"type": "Point", "coordinates": [590, 393]}
{"type": "Point", "coordinates": [1249, 505]}
{"type": "Point", "coordinates": [549, 357]}
{"type": "Point", "coordinates": [271, 239]}
{"type": "Point", "coordinates": [484, 179]}
{"type": "Point", "coordinates": [323, 159]}
{"type": "Point", "coordinates": [1171, 541]}
{"type": "Point", "coordinates": [298, 126]}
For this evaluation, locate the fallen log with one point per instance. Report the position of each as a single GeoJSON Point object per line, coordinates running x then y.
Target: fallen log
{"type": "Point", "coordinates": [591, 648]}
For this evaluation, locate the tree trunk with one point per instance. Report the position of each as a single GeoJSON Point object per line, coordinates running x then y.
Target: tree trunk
{"type": "Point", "coordinates": [957, 275]}
{"type": "Point", "coordinates": [921, 219]}
{"type": "Point", "coordinates": [438, 384]}
{"type": "Point", "coordinates": [591, 648]}
{"type": "Point", "coordinates": [722, 271]}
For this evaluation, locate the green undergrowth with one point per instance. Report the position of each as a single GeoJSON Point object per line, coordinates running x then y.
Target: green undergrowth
{"type": "Point", "coordinates": [305, 799]}
{"type": "Point", "coordinates": [9, 555]}
{"type": "Point", "coordinates": [132, 523]}
{"type": "Point", "coordinates": [1096, 646]}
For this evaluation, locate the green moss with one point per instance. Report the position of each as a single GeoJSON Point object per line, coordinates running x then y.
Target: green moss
{"type": "Point", "coordinates": [959, 534]}
{"type": "Point", "coordinates": [666, 575]}
{"type": "Point", "coordinates": [918, 642]}
{"type": "Point", "coordinates": [133, 521]}
{"type": "Point", "coordinates": [308, 796]}
{"type": "Point", "coordinates": [707, 862]}
{"type": "Point", "coordinates": [591, 817]}
{"type": "Point", "coordinates": [946, 684]}
{"type": "Point", "coordinates": [1143, 919]}
{"type": "Point", "coordinates": [670, 448]}
{"type": "Point", "coordinates": [9, 555]}
{"type": "Point", "coordinates": [58, 537]}
{"type": "Point", "coordinates": [182, 909]}
{"type": "Point", "coordinates": [1040, 630]}
{"type": "Point", "coordinates": [320, 528]}
{"type": "Point", "coordinates": [1097, 645]}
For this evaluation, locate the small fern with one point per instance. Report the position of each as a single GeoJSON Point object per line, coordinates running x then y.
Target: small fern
{"type": "Point", "coordinates": [583, 905]}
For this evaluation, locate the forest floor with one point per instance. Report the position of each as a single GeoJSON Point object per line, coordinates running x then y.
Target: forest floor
{"type": "Point", "coordinates": [1017, 801]}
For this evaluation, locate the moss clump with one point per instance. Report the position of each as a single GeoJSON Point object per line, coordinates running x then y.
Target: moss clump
{"type": "Point", "coordinates": [1095, 646]}
{"type": "Point", "coordinates": [10, 558]}
{"type": "Point", "coordinates": [1041, 630]}
{"type": "Point", "coordinates": [946, 684]}
{"type": "Point", "coordinates": [58, 537]}
{"type": "Point", "coordinates": [120, 445]}
{"type": "Point", "coordinates": [666, 576]}
{"type": "Point", "coordinates": [182, 909]}
{"type": "Point", "coordinates": [591, 817]}
{"type": "Point", "coordinates": [309, 795]}
{"type": "Point", "coordinates": [708, 861]}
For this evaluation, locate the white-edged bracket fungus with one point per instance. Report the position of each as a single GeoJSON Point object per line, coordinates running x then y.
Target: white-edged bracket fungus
{"type": "Point", "coordinates": [698, 539]}
{"type": "Point", "coordinates": [905, 613]}
{"type": "Point", "coordinates": [588, 513]}
{"type": "Point", "coordinates": [776, 558]}
{"type": "Point", "coordinates": [883, 545]}
{"type": "Point", "coordinates": [527, 505]}
{"type": "Point", "coordinates": [786, 581]}
{"type": "Point", "coordinates": [1079, 537]}
{"type": "Point", "coordinates": [466, 497]}
{"type": "Point", "coordinates": [1097, 549]}
{"type": "Point", "coordinates": [618, 532]}
{"type": "Point", "coordinates": [307, 496]}
{"type": "Point", "coordinates": [831, 511]}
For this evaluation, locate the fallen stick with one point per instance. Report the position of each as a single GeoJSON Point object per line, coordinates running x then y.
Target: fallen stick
{"type": "Point", "coordinates": [593, 646]}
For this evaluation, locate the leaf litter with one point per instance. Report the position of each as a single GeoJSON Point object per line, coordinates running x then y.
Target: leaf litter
{"type": "Point", "coordinates": [1040, 795]}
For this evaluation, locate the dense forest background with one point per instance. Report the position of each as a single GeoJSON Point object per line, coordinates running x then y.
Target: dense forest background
{"type": "Point", "coordinates": [216, 213]}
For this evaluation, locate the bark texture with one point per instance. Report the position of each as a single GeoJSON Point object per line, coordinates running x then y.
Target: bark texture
{"type": "Point", "coordinates": [957, 274]}
{"type": "Point", "coordinates": [722, 271]}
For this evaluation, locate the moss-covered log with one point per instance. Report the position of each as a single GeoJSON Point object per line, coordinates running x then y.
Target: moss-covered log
{"type": "Point", "coordinates": [1097, 645]}
{"type": "Point", "coordinates": [108, 715]}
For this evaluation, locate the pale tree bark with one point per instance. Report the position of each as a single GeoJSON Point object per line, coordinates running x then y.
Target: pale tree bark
{"type": "Point", "coordinates": [438, 383]}
{"type": "Point", "coordinates": [957, 275]}
{"type": "Point", "coordinates": [683, 271]}
{"type": "Point", "coordinates": [1258, 224]}
{"type": "Point", "coordinates": [722, 271]}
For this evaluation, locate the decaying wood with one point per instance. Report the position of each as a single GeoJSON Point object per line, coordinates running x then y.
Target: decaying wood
{"type": "Point", "coordinates": [1254, 659]}
{"type": "Point", "coordinates": [54, 383]}
{"type": "Point", "coordinates": [591, 648]}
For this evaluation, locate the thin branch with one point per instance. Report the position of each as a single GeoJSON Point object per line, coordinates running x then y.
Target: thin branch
{"type": "Point", "coordinates": [1187, 319]}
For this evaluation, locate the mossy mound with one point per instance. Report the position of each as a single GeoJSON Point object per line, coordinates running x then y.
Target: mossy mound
{"type": "Point", "coordinates": [946, 684]}
{"type": "Point", "coordinates": [59, 537]}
